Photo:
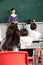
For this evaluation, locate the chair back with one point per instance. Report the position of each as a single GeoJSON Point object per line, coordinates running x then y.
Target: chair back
{"type": "Point", "coordinates": [14, 58]}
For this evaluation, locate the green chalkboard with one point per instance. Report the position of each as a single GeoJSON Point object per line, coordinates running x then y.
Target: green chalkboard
{"type": "Point", "coordinates": [25, 9]}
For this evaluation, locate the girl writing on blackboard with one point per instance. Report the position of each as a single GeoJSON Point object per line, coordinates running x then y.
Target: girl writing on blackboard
{"type": "Point", "coordinates": [13, 18]}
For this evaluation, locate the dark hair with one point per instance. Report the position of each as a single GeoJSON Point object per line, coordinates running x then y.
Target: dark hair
{"type": "Point", "coordinates": [29, 21]}
{"type": "Point", "coordinates": [23, 32]}
{"type": "Point", "coordinates": [33, 26]}
{"type": "Point", "coordinates": [12, 37]}
{"type": "Point", "coordinates": [12, 9]}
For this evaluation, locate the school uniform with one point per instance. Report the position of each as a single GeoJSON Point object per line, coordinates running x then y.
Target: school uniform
{"type": "Point", "coordinates": [35, 34]}
{"type": "Point", "coordinates": [27, 26]}
{"type": "Point", "coordinates": [13, 18]}
{"type": "Point", "coordinates": [25, 41]}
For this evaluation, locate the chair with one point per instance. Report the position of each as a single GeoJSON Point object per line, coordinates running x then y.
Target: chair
{"type": "Point", "coordinates": [13, 58]}
{"type": "Point", "coordinates": [42, 56]}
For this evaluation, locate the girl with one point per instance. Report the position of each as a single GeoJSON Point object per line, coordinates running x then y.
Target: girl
{"type": "Point", "coordinates": [13, 18]}
{"type": "Point", "coordinates": [12, 41]}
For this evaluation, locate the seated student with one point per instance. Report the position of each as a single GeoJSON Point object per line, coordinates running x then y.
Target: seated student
{"type": "Point", "coordinates": [27, 26]}
{"type": "Point", "coordinates": [35, 34]}
{"type": "Point", "coordinates": [25, 40]}
{"type": "Point", "coordinates": [13, 18]}
{"type": "Point", "coordinates": [12, 41]}
{"type": "Point", "coordinates": [34, 31]}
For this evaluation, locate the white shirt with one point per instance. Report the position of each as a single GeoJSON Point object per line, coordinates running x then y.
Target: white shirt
{"type": "Point", "coordinates": [25, 41]}
{"type": "Point", "coordinates": [27, 26]}
{"type": "Point", "coordinates": [35, 34]}
{"type": "Point", "coordinates": [14, 15]}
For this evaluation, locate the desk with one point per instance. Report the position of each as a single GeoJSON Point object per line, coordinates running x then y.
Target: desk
{"type": "Point", "coordinates": [38, 40]}
{"type": "Point", "coordinates": [36, 44]}
{"type": "Point", "coordinates": [33, 46]}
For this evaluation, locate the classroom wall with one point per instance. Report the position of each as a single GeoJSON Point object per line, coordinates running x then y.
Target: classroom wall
{"type": "Point", "coordinates": [3, 28]}
{"type": "Point", "coordinates": [26, 9]}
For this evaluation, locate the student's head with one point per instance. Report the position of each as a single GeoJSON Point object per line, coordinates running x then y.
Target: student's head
{"type": "Point", "coordinates": [33, 26]}
{"type": "Point", "coordinates": [12, 37]}
{"type": "Point", "coordinates": [28, 21]}
{"type": "Point", "coordinates": [13, 11]}
{"type": "Point", "coordinates": [23, 32]}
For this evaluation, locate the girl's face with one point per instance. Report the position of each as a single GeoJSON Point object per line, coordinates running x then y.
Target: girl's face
{"type": "Point", "coordinates": [13, 11]}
